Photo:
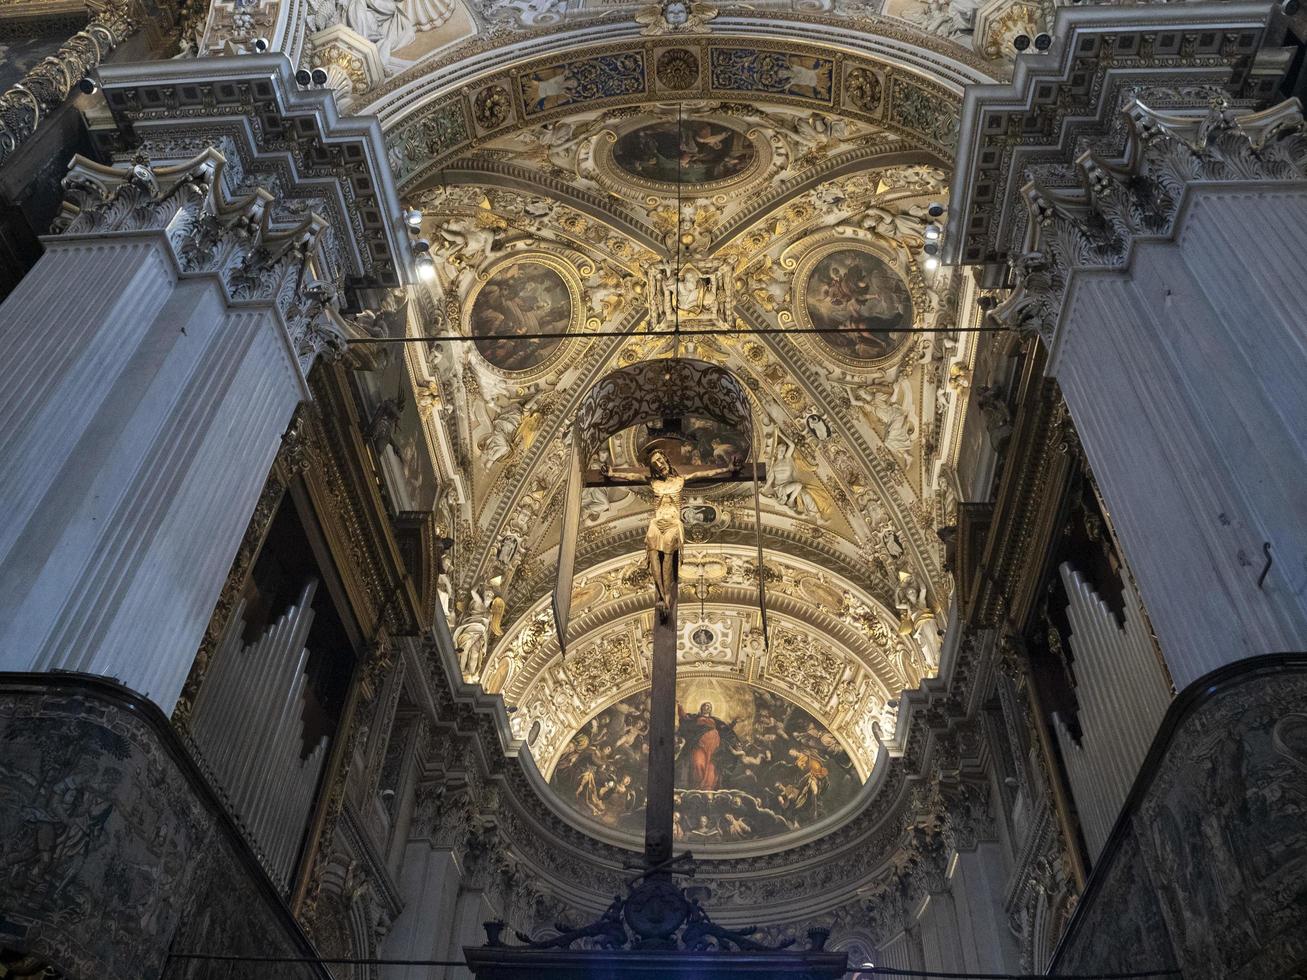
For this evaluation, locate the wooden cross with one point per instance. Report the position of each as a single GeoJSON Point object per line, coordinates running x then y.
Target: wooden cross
{"type": "Point", "coordinates": [660, 789]}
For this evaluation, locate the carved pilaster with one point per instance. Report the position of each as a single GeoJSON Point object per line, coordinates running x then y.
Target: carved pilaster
{"type": "Point", "coordinates": [1139, 195]}
{"type": "Point", "coordinates": [213, 231]}
{"type": "Point", "coordinates": [364, 706]}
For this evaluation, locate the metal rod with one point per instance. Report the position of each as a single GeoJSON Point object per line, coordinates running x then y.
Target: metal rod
{"type": "Point", "coordinates": [864, 968]}
{"type": "Point", "coordinates": [891, 971]}
{"type": "Point", "coordinates": [347, 960]}
{"type": "Point", "coordinates": [697, 332]}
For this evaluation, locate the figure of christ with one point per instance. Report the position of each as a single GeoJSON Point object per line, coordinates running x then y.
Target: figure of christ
{"type": "Point", "coordinates": [666, 534]}
{"type": "Point", "coordinates": [703, 734]}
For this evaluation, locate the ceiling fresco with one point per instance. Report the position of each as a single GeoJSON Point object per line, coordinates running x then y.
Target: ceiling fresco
{"type": "Point", "coordinates": [750, 764]}
{"type": "Point", "coordinates": [858, 430]}
{"type": "Point", "coordinates": [670, 174]}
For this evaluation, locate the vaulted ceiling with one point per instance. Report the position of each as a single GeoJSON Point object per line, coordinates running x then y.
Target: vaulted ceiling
{"type": "Point", "coordinates": [676, 174]}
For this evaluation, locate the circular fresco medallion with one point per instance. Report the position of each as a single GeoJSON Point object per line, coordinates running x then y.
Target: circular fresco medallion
{"type": "Point", "coordinates": [523, 298]}
{"type": "Point", "coordinates": [853, 289]}
{"type": "Point", "coordinates": [692, 151]}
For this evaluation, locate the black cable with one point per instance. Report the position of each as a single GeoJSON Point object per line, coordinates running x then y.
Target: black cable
{"type": "Point", "coordinates": [697, 332]}
{"type": "Point", "coordinates": [343, 960]}
{"type": "Point", "coordinates": [676, 306]}
{"type": "Point", "coordinates": [890, 971]}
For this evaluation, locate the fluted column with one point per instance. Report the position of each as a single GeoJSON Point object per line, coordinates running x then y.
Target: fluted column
{"type": "Point", "coordinates": [1184, 376]}
{"type": "Point", "coordinates": [1153, 243]}
{"type": "Point", "coordinates": [157, 351]}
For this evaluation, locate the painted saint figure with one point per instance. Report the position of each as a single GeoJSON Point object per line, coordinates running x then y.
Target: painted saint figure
{"type": "Point", "coordinates": [703, 734]}
{"type": "Point", "coordinates": [666, 533]}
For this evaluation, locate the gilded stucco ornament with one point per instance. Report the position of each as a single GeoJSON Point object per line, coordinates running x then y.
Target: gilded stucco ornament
{"type": "Point", "coordinates": [38, 93]}
{"type": "Point", "coordinates": [352, 62]}
{"type": "Point", "coordinates": [675, 16]}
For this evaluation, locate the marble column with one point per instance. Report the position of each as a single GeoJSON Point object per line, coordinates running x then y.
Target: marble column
{"type": "Point", "coordinates": [156, 353]}
{"type": "Point", "coordinates": [1184, 374]}
{"type": "Point", "coordinates": [426, 928]}
{"type": "Point", "coordinates": [1154, 243]}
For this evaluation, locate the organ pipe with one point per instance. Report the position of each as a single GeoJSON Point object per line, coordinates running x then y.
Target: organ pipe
{"type": "Point", "coordinates": [1122, 694]}
{"type": "Point", "coordinates": [248, 729]}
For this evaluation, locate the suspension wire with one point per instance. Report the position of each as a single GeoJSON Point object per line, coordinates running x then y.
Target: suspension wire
{"type": "Point", "coordinates": [890, 971]}
{"type": "Point", "coordinates": [689, 332]}
{"type": "Point", "coordinates": [330, 960]}
{"type": "Point", "coordinates": [887, 971]}
{"type": "Point", "coordinates": [676, 288]}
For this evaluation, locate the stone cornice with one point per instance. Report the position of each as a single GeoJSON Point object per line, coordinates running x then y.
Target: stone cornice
{"type": "Point", "coordinates": [1060, 100]}
{"type": "Point", "coordinates": [1141, 196]}
{"type": "Point", "coordinates": [174, 108]}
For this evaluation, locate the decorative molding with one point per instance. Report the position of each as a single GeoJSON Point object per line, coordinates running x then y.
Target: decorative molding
{"type": "Point", "coordinates": [1139, 196]}
{"type": "Point", "coordinates": [294, 139]}
{"type": "Point", "coordinates": [1061, 104]}
{"type": "Point", "coordinates": [26, 103]}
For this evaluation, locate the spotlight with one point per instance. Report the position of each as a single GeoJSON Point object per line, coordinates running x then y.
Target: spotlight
{"type": "Point", "coordinates": [422, 246]}
{"type": "Point", "coordinates": [1021, 42]}
{"type": "Point", "coordinates": [987, 303]}
{"type": "Point", "coordinates": [935, 209]}
{"type": "Point", "coordinates": [426, 267]}
{"type": "Point", "coordinates": [319, 76]}
{"type": "Point", "coordinates": [931, 248]}
{"type": "Point", "coordinates": [933, 231]}
{"type": "Point", "coordinates": [1043, 42]}
{"type": "Point", "coordinates": [1290, 7]}
{"type": "Point", "coordinates": [88, 86]}
{"type": "Point", "coordinates": [413, 218]}
{"type": "Point", "coordinates": [931, 263]}
{"type": "Point", "coordinates": [303, 77]}
{"type": "Point", "coordinates": [261, 44]}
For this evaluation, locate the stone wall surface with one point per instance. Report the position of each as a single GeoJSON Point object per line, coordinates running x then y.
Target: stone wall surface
{"type": "Point", "coordinates": [112, 851]}
{"type": "Point", "coordinates": [1207, 869]}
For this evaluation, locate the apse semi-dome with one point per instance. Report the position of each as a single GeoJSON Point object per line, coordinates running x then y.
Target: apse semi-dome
{"type": "Point", "coordinates": [750, 765]}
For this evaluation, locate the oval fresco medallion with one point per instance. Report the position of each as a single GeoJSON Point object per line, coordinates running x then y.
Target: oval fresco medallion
{"type": "Point", "coordinates": [687, 152]}
{"type": "Point", "coordinates": [750, 765]}
{"type": "Point", "coordinates": [854, 289]}
{"type": "Point", "coordinates": [523, 298]}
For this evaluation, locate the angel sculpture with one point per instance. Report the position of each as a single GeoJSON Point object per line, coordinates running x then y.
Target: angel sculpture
{"type": "Point", "coordinates": [674, 15]}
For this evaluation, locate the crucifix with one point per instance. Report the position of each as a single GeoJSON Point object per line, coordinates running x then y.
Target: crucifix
{"type": "Point", "coordinates": [663, 543]}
